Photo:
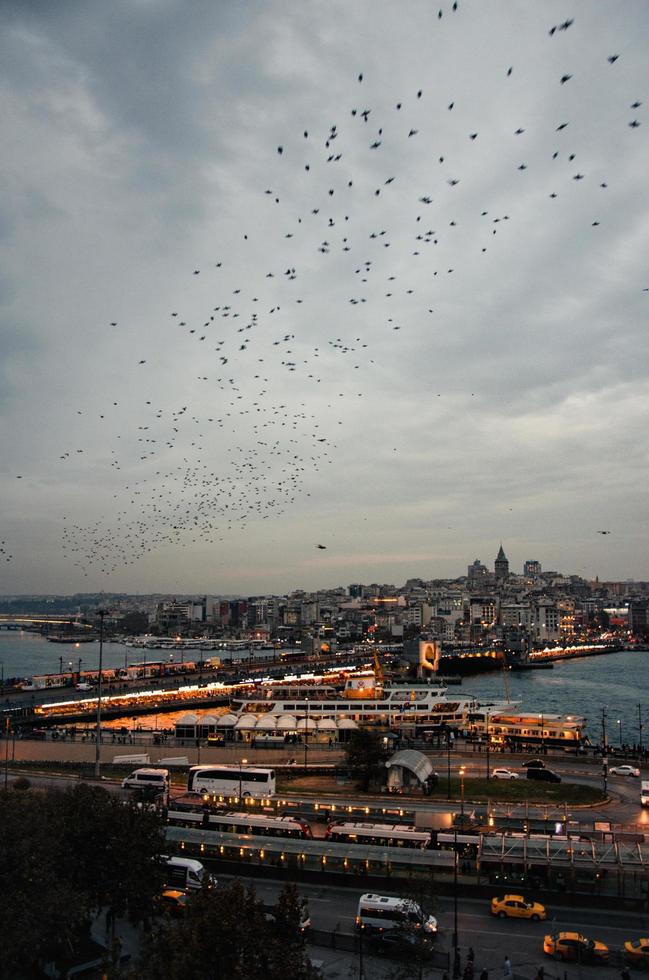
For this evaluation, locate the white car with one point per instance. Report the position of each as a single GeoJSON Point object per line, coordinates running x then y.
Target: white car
{"type": "Point", "coordinates": [624, 771]}
{"type": "Point", "coordinates": [504, 774]}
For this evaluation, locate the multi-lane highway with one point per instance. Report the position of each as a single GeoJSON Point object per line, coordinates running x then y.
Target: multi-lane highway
{"type": "Point", "coordinates": [491, 939]}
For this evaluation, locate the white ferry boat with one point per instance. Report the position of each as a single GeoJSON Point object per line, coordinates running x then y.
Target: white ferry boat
{"type": "Point", "coordinates": [415, 710]}
{"type": "Point", "coordinates": [412, 708]}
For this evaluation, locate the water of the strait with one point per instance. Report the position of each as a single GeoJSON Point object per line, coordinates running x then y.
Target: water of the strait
{"type": "Point", "coordinates": [616, 682]}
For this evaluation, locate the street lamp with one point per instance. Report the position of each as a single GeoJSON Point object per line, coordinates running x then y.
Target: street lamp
{"type": "Point", "coordinates": [242, 763]}
{"type": "Point", "coordinates": [604, 750]}
{"type": "Point", "coordinates": [488, 743]}
{"type": "Point", "coordinates": [448, 763]}
{"type": "Point", "coordinates": [306, 734]}
{"type": "Point", "coordinates": [639, 719]}
{"type": "Point", "coordinates": [619, 730]}
{"type": "Point", "coordinates": [462, 796]}
{"type": "Point", "coordinates": [102, 613]}
{"type": "Point", "coordinates": [456, 959]}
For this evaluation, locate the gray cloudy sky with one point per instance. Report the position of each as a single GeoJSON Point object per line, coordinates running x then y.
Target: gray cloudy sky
{"type": "Point", "coordinates": [412, 349]}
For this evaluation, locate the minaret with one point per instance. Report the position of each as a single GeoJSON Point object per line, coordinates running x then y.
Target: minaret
{"type": "Point", "coordinates": [501, 566]}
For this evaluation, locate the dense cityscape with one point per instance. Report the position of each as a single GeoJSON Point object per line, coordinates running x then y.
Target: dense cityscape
{"type": "Point", "coordinates": [263, 734]}
{"type": "Point", "coordinates": [493, 605]}
{"type": "Point", "coordinates": [303, 306]}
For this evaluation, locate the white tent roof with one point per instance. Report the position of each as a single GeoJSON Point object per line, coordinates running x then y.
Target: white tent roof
{"type": "Point", "coordinates": [189, 719]}
{"type": "Point", "coordinates": [347, 723]}
{"type": "Point", "coordinates": [226, 721]}
{"type": "Point", "coordinates": [327, 725]}
{"type": "Point", "coordinates": [266, 723]}
{"type": "Point", "coordinates": [286, 723]}
{"type": "Point", "coordinates": [207, 720]}
{"type": "Point", "coordinates": [413, 761]}
{"type": "Point", "coordinates": [246, 721]}
{"type": "Point", "coordinates": [306, 724]}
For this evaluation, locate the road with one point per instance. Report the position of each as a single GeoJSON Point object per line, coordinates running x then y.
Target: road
{"type": "Point", "coordinates": [491, 939]}
{"type": "Point", "coordinates": [623, 808]}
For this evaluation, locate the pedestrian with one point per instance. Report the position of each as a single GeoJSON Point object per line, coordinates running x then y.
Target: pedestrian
{"type": "Point", "coordinates": [457, 963]}
{"type": "Point", "coordinates": [624, 973]}
{"type": "Point", "coordinates": [470, 955]}
{"type": "Point", "coordinates": [540, 974]}
{"type": "Point", "coordinates": [484, 973]}
{"type": "Point", "coordinates": [468, 971]}
{"type": "Point", "coordinates": [507, 967]}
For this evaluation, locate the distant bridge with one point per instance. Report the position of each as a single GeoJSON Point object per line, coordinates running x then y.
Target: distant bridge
{"type": "Point", "coordinates": [41, 621]}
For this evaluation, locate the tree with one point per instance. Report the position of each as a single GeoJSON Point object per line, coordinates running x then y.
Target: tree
{"type": "Point", "coordinates": [365, 754]}
{"type": "Point", "coordinates": [225, 934]}
{"type": "Point", "coordinates": [64, 855]}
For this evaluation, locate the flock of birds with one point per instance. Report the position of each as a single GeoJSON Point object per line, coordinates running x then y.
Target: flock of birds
{"type": "Point", "coordinates": [251, 344]}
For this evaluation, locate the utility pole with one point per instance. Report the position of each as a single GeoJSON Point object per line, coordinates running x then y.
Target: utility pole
{"type": "Point", "coordinates": [448, 763]}
{"type": "Point", "coordinates": [456, 964]}
{"type": "Point", "coordinates": [102, 613]}
{"type": "Point", "coordinates": [488, 741]}
{"type": "Point", "coordinates": [640, 725]}
{"type": "Point", "coordinates": [6, 755]}
{"type": "Point", "coordinates": [604, 751]}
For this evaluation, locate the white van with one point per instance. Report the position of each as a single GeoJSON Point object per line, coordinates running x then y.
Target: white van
{"type": "Point", "coordinates": [378, 913]}
{"type": "Point", "coordinates": [147, 779]}
{"type": "Point", "coordinates": [185, 873]}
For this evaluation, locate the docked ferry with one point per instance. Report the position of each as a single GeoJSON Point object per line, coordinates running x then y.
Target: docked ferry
{"type": "Point", "coordinates": [415, 710]}
{"type": "Point", "coordinates": [411, 709]}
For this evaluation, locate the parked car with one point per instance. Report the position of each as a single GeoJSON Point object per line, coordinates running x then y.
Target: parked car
{"type": "Point", "coordinates": [515, 907]}
{"type": "Point", "coordinates": [534, 764]}
{"type": "Point", "coordinates": [504, 774]}
{"type": "Point", "coordinates": [636, 951]}
{"type": "Point", "coordinates": [624, 771]}
{"type": "Point", "coordinates": [576, 948]}
{"type": "Point", "coordinates": [544, 775]}
{"type": "Point", "coordinates": [402, 945]}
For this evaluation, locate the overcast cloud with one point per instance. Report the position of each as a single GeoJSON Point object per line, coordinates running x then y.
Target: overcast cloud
{"type": "Point", "coordinates": [407, 377]}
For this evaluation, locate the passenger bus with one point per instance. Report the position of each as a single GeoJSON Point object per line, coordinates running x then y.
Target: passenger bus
{"type": "Point", "coordinates": [240, 823]}
{"type": "Point", "coordinates": [382, 835]}
{"type": "Point", "coordinates": [231, 781]}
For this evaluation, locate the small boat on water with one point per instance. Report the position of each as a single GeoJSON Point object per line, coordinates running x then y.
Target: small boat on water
{"type": "Point", "coordinates": [71, 638]}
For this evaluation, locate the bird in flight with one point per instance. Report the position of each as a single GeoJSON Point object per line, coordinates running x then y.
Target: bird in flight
{"type": "Point", "coordinates": [321, 547]}
{"type": "Point", "coordinates": [603, 532]}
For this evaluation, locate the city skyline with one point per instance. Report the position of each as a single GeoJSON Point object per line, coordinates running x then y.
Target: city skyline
{"type": "Point", "coordinates": [302, 294]}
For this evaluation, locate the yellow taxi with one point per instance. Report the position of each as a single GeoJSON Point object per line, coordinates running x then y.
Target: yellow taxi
{"type": "Point", "coordinates": [576, 948]}
{"type": "Point", "coordinates": [637, 951]}
{"type": "Point", "coordinates": [516, 907]}
{"type": "Point", "coordinates": [173, 902]}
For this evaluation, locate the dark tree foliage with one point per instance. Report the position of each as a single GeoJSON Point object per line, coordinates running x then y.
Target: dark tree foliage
{"type": "Point", "coordinates": [226, 935]}
{"type": "Point", "coordinates": [365, 755]}
{"type": "Point", "coordinates": [64, 855]}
